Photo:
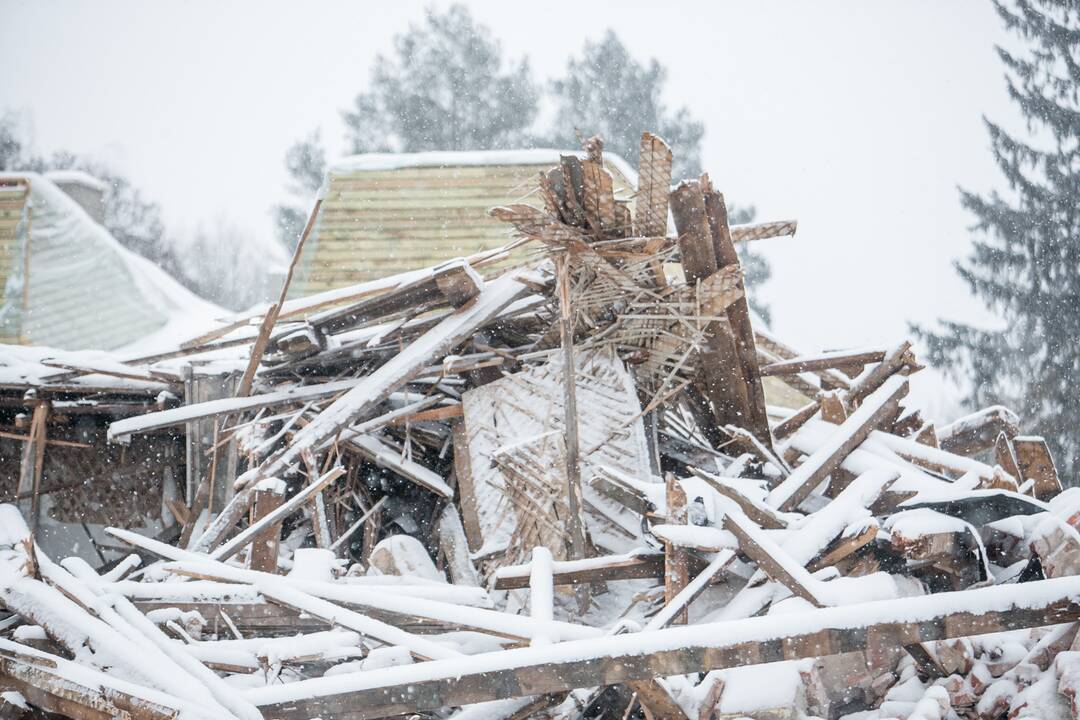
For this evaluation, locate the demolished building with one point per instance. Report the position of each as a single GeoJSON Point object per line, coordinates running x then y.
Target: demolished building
{"type": "Point", "coordinates": [547, 480]}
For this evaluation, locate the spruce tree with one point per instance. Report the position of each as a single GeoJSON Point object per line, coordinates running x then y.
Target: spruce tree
{"type": "Point", "coordinates": [607, 92]}
{"type": "Point", "coordinates": [1025, 258]}
{"type": "Point", "coordinates": [445, 87]}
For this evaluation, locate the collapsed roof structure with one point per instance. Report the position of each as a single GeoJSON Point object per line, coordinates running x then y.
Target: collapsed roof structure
{"type": "Point", "coordinates": [547, 480]}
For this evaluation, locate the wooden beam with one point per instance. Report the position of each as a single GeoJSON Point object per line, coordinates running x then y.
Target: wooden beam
{"type": "Point", "coordinates": [575, 522]}
{"type": "Point", "coordinates": [738, 314]}
{"type": "Point", "coordinates": [33, 461]}
{"type": "Point", "coordinates": [591, 570]}
{"type": "Point", "coordinates": [974, 433]}
{"type": "Point", "coordinates": [843, 547]}
{"type": "Point", "coordinates": [676, 562]}
{"type": "Point", "coordinates": [825, 361]}
{"type": "Point", "coordinates": [264, 547]}
{"type": "Point", "coordinates": [898, 359]}
{"type": "Point", "coordinates": [42, 680]}
{"type": "Point", "coordinates": [846, 438]}
{"type": "Point", "coordinates": [676, 651]}
{"type": "Point", "coordinates": [761, 514]}
{"type": "Point", "coordinates": [768, 557]}
{"type": "Point", "coordinates": [720, 368]}
{"type": "Point", "coordinates": [1035, 464]}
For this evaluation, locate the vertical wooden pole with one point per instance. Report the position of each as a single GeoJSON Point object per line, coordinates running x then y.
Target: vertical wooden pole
{"type": "Point", "coordinates": [33, 460]}
{"type": "Point", "coordinates": [263, 554]}
{"type": "Point", "coordinates": [573, 460]}
{"type": "Point", "coordinates": [676, 561]}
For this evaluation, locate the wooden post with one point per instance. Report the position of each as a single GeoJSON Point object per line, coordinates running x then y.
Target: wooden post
{"type": "Point", "coordinates": [33, 460]}
{"type": "Point", "coordinates": [264, 548]}
{"type": "Point", "coordinates": [719, 365]}
{"type": "Point", "coordinates": [738, 314]}
{"type": "Point", "coordinates": [676, 561]}
{"type": "Point", "coordinates": [270, 319]}
{"type": "Point", "coordinates": [573, 460]}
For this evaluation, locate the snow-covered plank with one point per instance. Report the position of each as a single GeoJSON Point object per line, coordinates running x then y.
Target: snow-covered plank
{"type": "Point", "coordinates": [72, 689]}
{"type": "Point", "coordinates": [626, 566]}
{"type": "Point", "coordinates": [227, 406]}
{"type": "Point", "coordinates": [621, 658]}
{"type": "Point", "coordinates": [476, 618]}
{"type": "Point", "coordinates": [122, 615]}
{"type": "Point", "coordinates": [823, 361]}
{"type": "Point", "coordinates": [383, 455]}
{"type": "Point", "coordinates": [978, 431]}
{"type": "Point", "coordinates": [878, 406]}
{"type": "Point", "coordinates": [757, 511]}
{"type": "Point", "coordinates": [772, 559]}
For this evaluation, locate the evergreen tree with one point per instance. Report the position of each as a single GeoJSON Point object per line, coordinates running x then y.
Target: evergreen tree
{"type": "Point", "coordinates": [607, 92]}
{"type": "Point", "coordinates": [446, 87]}
{"type": "Point", "coordinates": [1025, 259]}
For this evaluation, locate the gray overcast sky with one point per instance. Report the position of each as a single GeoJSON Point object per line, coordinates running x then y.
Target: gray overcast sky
{"type": "Point", "coordinates": [857, 118]}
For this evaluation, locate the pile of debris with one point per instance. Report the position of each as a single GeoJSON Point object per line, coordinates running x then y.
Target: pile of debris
{"type": "Point", "coordinates": [556, 492]}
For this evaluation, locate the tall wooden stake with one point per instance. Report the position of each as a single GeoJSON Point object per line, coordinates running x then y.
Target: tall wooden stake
{"type": "Point", "coordinates": [33, 461]}
{"type": "Point", "coordinates": [573, 461]}
{"type": "Point", "coordinates": [270, 319]}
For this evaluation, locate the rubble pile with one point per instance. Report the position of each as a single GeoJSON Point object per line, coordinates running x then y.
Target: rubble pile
{"type": "Point", "coordinates": [592, 485]}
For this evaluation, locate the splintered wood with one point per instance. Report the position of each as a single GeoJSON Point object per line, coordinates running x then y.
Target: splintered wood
{"type": "Point", "coordinates": [588, 486]}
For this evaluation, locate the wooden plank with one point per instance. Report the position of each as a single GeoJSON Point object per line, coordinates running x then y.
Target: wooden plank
{"type": "Point", "coordinates": [848, 436]}
{"type": "Point", "coordinates": [455, 548]}
{"type": "Point", "coordinates": [466, 494]}
{"type": "Point", "coordinates": [898, 359]}
{"type": "Point", "coordinates": [977, 432]}
{"type": "Point", "coordinates": [257, 619]}
{"type": "Point", "coordinates": [720, 370]}
{"type": "Point", "coordinates": [822, 362]}
{"type": "Point", "coordinates": [39, 677]}
{"type": "Point", "coordinates": [843, 547]}
{"type": "Point", "coordinates": [676, 562]}
{"type": "Point", "coordinates": [761, 514]}
{"type": "Point", "coordinates": [1005, 457]}
{"type": "Point", "coordinates": [738, 314]}
{"type": "Point", "coordinates": [766, 555]}
{"type": "Point", "coordinates": [675, 651]}
{"type": "Point", "coordinates": [592, 570]}
{"type": "Point", "coordinates": [654, 182]}
{"type": "Point", "coordinates": [264, 548]}
{"type": "Point", "coordinates": [656, 700]}
{"type": "Point", "coordinates": [575, 522]}
{"type": "Point", "coordinates": [1036, 464]}
{"type": "Point", "coordinates": [790, 425]}
{"type": "Point", "coordinates": [33, 461]}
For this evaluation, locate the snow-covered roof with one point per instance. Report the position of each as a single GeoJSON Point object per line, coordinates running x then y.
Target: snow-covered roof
{"type": "Point", "coordinates": [388, 213]}
{"type": "Point", "coordinates": [76, 177]}
{"type": "Point", "coordinates": [532, 156]}
{"type": "Point", "coordinates": [69, 284]}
